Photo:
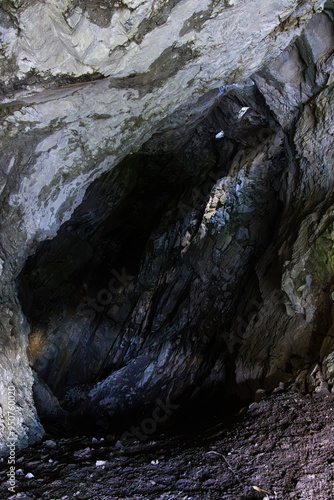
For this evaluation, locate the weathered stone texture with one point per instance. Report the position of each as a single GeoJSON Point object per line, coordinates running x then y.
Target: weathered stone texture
{"type": "Point", "coordinates": [109, 112]}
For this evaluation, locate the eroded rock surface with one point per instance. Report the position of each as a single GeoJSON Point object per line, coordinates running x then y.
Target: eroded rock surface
{"type": "Point", "coordinates": [283, 446]}
{"type": "Point", "coordinates": [141, 256]}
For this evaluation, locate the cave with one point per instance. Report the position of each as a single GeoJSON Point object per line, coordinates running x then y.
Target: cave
{"type": "Point", "coordinates": [97, 295]}
{"type": "Point", "coordinates": [166, 247]}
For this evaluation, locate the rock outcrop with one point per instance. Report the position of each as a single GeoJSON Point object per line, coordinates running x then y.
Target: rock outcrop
{"type": "Point", "coordinates": [143, 258]}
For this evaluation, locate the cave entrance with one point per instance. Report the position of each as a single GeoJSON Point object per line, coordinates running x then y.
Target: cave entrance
{"type": "Point", "coordinates": [93, 294]}
{"type": "Point", "coordinates": [89, 270]}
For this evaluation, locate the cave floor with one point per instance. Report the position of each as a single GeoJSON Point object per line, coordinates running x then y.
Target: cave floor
{"type": "Point", "coordinates": [283, 445]}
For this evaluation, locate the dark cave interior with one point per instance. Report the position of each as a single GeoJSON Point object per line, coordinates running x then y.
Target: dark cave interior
{"type": "Point", "coordinates": [79, 291]}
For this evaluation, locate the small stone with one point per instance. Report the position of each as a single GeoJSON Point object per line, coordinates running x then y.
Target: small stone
{"type": "Point", "coordinates": [154, 462]}
{"type": "Point", "coordinates": [259, 395]}
{"type": "Point", "coordinates": [323, 387]}
{"type": "Point", "coordinates": [82, 453]}
{"type": "Point", "coordinates": [19, 472]}
{"type": "Point", "coordinates": [279, 389]}
{"type": "Point", "coordinates": [50, 444]}
{"type": "Point", "coordinates": [94, 440]}
{"type": "Point", "coordinates": [100, 463]}
{"type": "Point", "coordinates": [29, 475]}
{"type": "Point", "coordinates": [242, 411]}
{"type": "Point", "coordinates": [253, 406]}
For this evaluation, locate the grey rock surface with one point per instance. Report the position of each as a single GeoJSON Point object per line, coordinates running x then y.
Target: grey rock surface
{"type": "Point", "coordinates": [109, 164]}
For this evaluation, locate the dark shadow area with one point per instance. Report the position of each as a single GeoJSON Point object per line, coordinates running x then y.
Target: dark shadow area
{"type": "Point", "coordinates": [107, 232]}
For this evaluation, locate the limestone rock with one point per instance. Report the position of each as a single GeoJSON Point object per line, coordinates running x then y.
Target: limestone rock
{"type": "Point", "coordinates": [153, 261]}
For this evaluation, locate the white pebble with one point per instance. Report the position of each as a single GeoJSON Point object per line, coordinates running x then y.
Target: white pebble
{"type": "Point", "coordinates": [99, 463]}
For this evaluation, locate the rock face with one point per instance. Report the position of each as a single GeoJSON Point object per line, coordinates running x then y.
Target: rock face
{"type": "Point", "coordinates": [142, 258]}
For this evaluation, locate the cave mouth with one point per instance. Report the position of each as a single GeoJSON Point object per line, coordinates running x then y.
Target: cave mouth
{"type": "Point", "coordinates": [106, 234]}
{"type": "Point", "coordinates": [93, 294]}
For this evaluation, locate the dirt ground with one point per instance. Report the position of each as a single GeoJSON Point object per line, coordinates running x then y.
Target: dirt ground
{"type": "Point", "coordinates": [282, 445]}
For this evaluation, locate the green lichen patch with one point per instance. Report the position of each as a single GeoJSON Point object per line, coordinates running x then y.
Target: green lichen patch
{"type": "Point", "coordinates": [322, 254]}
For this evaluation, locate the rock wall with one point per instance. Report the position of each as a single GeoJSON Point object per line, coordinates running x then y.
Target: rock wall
{"type": "Point", "coordinates": [96, 98]}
